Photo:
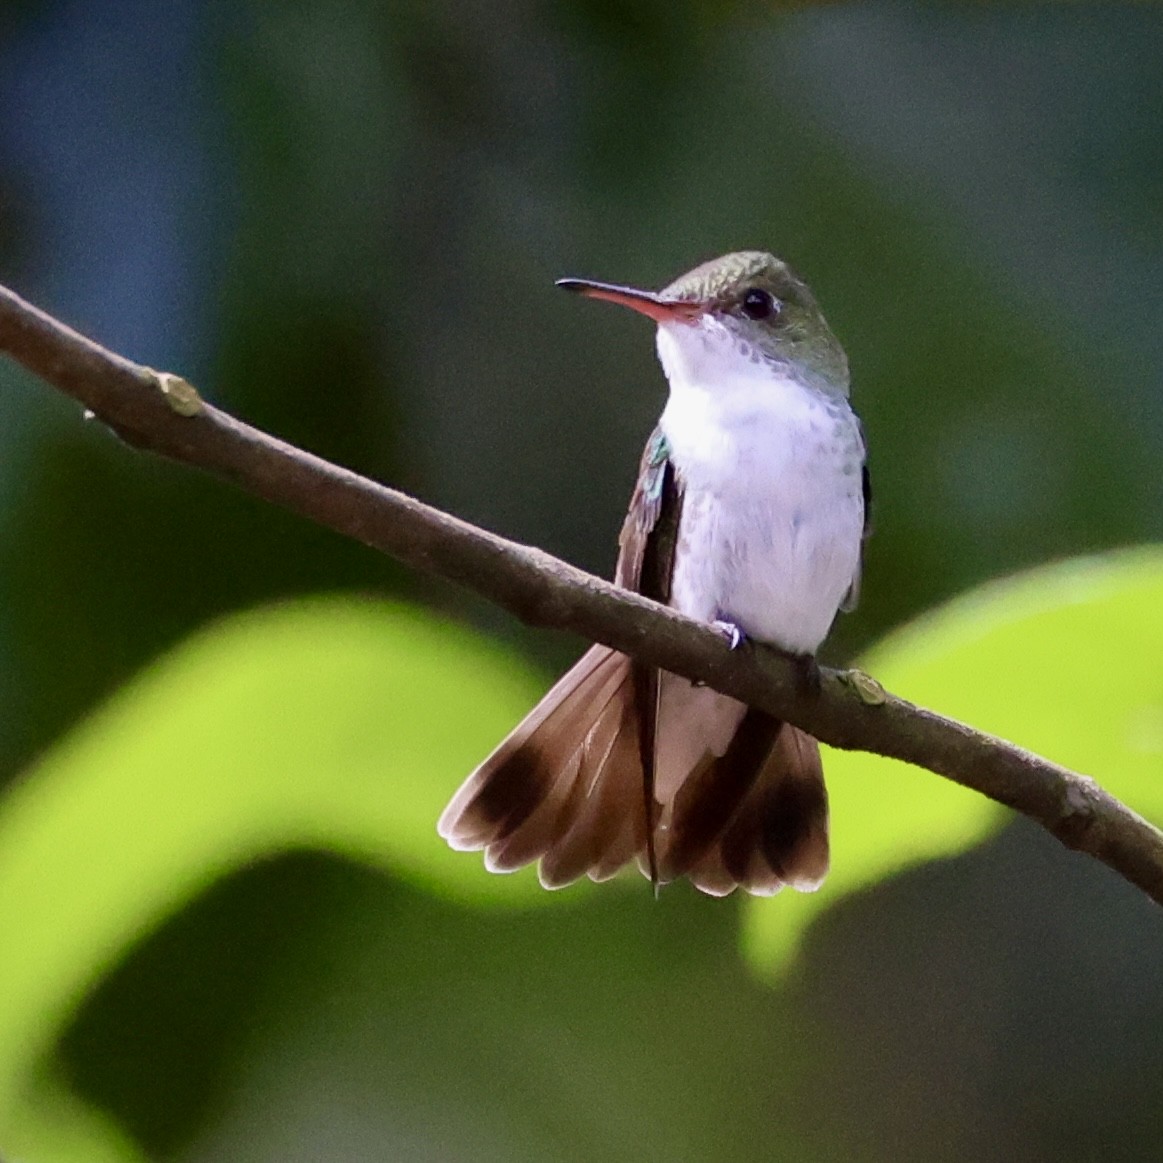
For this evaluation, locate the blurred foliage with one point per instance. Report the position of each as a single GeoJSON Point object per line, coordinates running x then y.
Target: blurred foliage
{"type": "Point", "coordinates": [265, 734]}
{"type": "Point", "coordinates": [342, 219]}
{"type": "Point", "coordinates": [1021, 659]}
{"type": "Point", "coordinates": [324, 726]}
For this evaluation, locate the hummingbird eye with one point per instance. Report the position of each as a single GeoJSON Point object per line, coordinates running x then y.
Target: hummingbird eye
{"type": "Point", "coordinates": [759, 304]}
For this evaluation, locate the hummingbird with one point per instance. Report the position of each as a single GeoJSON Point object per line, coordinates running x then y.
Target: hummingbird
{"type": "Point", "coordinates": [750, 513]}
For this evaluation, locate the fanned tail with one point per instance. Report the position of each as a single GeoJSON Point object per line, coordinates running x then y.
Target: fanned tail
{"type": "Point", "coordinates": [739, 796]}
{"type": "Point", "coordinates": [556, 789]}
{"type": "Point", "coordinates": [779, 834]}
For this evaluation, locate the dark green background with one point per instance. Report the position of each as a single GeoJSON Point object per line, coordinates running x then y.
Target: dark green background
{"type": "Point", "coordinates": [342, 221]}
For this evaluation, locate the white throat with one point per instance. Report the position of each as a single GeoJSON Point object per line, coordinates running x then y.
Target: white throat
{"type": "Point", "coordinates": [727, 401]}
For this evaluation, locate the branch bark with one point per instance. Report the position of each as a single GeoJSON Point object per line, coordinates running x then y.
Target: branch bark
{"type": "Point", "coordinates": [162, 413]}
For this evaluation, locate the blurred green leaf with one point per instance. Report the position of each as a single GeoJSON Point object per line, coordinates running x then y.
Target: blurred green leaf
{"type": "Point", "coordinates": [343, 725]}
{"type": "Point", "coordinates": [1063, 660]}
{"type": "Point", "coordinates": [51, 1125]}
{"type": "Point", "coordinates": [609, 1027]}
{"type": "Point", "coordinates": [335, 723]}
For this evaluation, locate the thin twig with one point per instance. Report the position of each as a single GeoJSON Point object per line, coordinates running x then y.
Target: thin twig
{"type": "Point", "coordinates": [162, 413]}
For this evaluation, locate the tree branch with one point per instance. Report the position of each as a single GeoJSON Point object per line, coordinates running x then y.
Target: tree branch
{"type": "Point", "coordinates": [162, 413]}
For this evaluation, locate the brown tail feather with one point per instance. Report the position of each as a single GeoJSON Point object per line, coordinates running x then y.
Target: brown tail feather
{"type": "Point", "coordinates": [538, 761]}
{"type": "Point", "coordinates": [711, 795]}
{"type": "Point", "coordinates": [780, 833]}
{"type": "Point", "coordinates": [615, 797]}
{"type": "Point", "coordinates": [792, 806]}
{"type": "Point", "coordinates": [593, 729]}
{"type": "Point", "coordinates": [711, 876]}
{"type": "Point", "coordinates": [742, 796]}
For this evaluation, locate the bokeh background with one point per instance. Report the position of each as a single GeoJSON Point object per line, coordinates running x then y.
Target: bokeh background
{"type": "Point", "coordinates": [341, 220]}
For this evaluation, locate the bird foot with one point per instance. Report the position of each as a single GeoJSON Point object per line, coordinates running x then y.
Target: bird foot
{"type": "Point", "coordinates": [735, 637]}
{"type": "Point", "coordinates": [807, 675]}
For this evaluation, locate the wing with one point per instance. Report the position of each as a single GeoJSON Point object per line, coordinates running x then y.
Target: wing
{"type": "Point", "coordinates": [646, 564]}
{"type": "Point", "coordinates": [853, 594]}
{"type": "Point", "coordinates": [565, 787]}
{"type": "Point", "coordinates": [650, 532]}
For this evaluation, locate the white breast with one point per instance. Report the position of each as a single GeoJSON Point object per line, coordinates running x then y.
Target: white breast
{"type": "Point", "coordinates": [773, 509]}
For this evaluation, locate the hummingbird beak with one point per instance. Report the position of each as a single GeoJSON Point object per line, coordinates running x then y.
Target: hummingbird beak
{"type": "Point", "coordinates": [648, 303]}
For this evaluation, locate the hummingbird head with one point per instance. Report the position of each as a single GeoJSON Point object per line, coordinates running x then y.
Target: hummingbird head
{"type": "Point", "coordinates": [746, 305]}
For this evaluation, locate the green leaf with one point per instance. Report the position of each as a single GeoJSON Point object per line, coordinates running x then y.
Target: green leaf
{"type": "Point", "coordinates": [334, 723]}
{"type": "Point", "coordinates": [344, 725]}
{"type": "Point", "coordinates": [1063, 660]}
{"type": "Point", "coordinates": [51, 1125]}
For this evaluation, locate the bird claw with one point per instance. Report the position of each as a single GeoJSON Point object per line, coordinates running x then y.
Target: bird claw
{"type": "Point", "coordinates": [735, 637]}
